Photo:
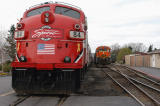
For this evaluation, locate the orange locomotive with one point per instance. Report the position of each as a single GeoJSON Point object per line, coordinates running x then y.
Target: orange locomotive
{"type": "Point", "coordinates": [103, 55]}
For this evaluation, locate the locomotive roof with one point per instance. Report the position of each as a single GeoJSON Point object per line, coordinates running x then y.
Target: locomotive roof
{"type": "Point", "coordinates": [58, 3]}
{"type": "Point", "coordinates": [62, 4]}
{"type": "Point", "coordinates": [103, 47]}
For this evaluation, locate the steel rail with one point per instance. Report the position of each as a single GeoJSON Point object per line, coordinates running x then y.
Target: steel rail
{"type": "Point", "coordinates": [146, 93]}
{"type": "Point", "coordinates": [134, 85]}
{"type": "Point", "coordinates": [125, 89]}
{"type": "Point", "coordinates": [149, 81]}
{"type": "Point", "coordinates": [61, 101]}
{"type": "Point", "coordinates": [19, 100]}
{"type": "Point", "coordinates": [149, 95]}
{"type": "Point", "coordinates": [144, 84]}
{"type": "Point", "coordinates": [157, 91]}
{"type": "Point", "coordinates": [142, 74]}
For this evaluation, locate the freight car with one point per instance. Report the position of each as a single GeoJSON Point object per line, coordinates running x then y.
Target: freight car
{"type": "Point", "coordinates": [102, 55]}
{"type": "Point", "coordinates": [52, 49]}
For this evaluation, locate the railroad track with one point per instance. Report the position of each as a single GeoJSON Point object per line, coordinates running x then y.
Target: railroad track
{"type": "Point", "coordinates": [60, 102]}
{"type": "Point", "coordinates": [129, 70]}
{"type": "Point", "coordinates": [147, 84]}
{"type": "Point", "coordinates": [138, 91]}
{"type": "Point", "coordinates": [132, 74]}
{"type": "Point", "coordinates": [19, 100]}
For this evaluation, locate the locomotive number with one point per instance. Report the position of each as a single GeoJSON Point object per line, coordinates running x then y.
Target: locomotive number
{"type": "Point", "coordinates": [76, 34]}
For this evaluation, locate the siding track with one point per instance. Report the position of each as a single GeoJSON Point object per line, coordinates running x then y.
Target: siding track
{"type": "Point", "coordinates": [140, 92]}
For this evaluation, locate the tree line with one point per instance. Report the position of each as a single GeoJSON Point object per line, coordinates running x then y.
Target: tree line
{"type": "Point", "coordinates": [130, 48]}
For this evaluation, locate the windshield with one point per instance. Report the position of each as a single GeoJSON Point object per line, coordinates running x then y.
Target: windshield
{"type": "Point", "coordinates": [37, 11]}
{"type": "Point", "coordinates": [67, 12]}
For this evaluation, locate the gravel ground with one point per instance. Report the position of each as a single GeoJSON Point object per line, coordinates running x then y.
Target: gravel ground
{"type": "Point", "coordinates": [100, 101]}
{"type": "Point", "coordinates": [97, 84]}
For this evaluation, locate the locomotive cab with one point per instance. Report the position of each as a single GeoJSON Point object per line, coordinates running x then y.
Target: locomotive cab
{"type": "Point", "coordinates": [51, 49]}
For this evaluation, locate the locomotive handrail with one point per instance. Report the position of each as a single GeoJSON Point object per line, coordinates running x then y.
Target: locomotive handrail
{"type": "Point", "coordinates": [58, 2]}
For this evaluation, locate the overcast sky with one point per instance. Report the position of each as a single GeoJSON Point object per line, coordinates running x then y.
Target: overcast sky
{"type": "Point", "coordinates": [109, 21]}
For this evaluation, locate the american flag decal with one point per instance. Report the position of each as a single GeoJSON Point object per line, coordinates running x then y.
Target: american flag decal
{"type": "Point", "coordinates": [46, 49]}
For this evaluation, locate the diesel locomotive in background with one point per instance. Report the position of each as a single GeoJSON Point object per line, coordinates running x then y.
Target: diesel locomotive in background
{"type": "Point", "coordinates": [102, 55]}
{"type": "Point", "coordinates": [52, 49]}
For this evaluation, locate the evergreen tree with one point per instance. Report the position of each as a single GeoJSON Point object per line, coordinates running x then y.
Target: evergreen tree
{"type": "Point", "coordinates": [10, 46]}
{"type": "Point", "coordinates": [150, 48]}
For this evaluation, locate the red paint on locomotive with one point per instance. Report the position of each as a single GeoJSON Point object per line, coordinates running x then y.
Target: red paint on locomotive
{"type": "Point", "coordinates": [53, 36]}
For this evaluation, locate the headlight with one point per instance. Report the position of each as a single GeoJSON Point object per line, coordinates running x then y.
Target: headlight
{"type": "Point", "coordinates": [76, 35]}
{"type": "Point", "coordinates": [19, 35]}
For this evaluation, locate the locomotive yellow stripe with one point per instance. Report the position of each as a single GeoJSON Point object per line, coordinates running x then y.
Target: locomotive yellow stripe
{"type": "Point", "coordinates": [18, 46]}
{"type": "Point", "coordinates": [78, 47]}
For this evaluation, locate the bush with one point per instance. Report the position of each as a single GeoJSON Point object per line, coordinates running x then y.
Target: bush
{"type": "Point", "coordinates": [0, 67]}
{"type": "Point", "coordinates": [6, 67]}
{"type": "Point", "coordinates": [122, 53]}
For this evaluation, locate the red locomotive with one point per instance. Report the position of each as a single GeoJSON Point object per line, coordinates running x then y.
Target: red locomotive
{"type": "Point", "coordinates": [52, 49]}
{"type": "Point", "coordinates": [103, 55]}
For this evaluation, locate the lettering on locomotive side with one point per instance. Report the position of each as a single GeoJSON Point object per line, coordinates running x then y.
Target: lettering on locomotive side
{"type": "Point", "coordinates": [47, 34]}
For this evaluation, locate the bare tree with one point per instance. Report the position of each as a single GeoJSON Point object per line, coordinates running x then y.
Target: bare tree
{"type": "Point", "coordinates": [137, 47]}
{"type": "Point", "coordinates": [3, 34]}
{"type": "Point", "coordinates": [115, 47]}
{"type": "Point", "coordinates": [2, 41]}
